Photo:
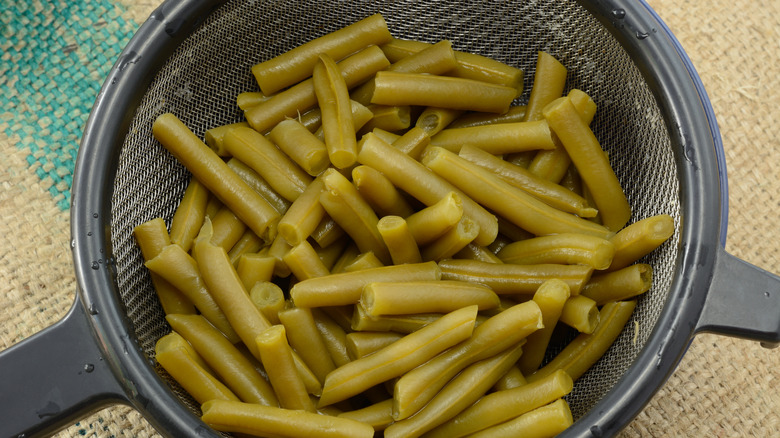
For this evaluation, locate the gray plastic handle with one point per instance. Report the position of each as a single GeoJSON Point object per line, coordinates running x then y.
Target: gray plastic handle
{"type": "Point", "coordinates": [54, 378]}
{"type": "Point", "coordinates": [743, 301]}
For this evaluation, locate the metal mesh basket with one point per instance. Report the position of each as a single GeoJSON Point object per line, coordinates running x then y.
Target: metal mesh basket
{"type": "Point", "coordinates": [200, 81]}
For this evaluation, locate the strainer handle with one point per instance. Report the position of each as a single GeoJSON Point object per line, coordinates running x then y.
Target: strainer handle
{"type": "Point", "coordinates": [743, 301]}
{"type": "Point", "coordinates": [54, 378]}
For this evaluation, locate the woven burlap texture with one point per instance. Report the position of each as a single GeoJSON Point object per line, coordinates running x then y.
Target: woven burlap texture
{"type": "Point", "coordinates": [723, 387]}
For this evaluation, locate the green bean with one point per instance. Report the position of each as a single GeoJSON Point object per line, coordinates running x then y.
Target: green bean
{"type": "Point", "coordinates": [390, 118]}
{"type": "Point", "coordinates": [399, 240]}
{"type": "Point", "coordinates": [362, 321]}
{"type": "Point", "coordinates": [452, 241]}
{"type": "Point", "coordinates": [189, 214]}
{"type": "Point", "coordinates": [413, 142]}
{"type": "Point", "coordinates": [269, 300]}
{"type": "Point", "coordinates": [421, 183]}
{"type": "Point", "coordinates": [333, 335]}
{"type": "Point", "coordinates": [299, 98]}
{"type": "Point", "coordinates": [564, 248]}
{"type": "Point", "coordinates": [551, 297]}
{"type": "Point", "coordinates": [508, 278]}
{"type": "Point", "coordinates": [512, 203]}
{"type": "Point", "coordinates": [248, 243]}
{"type": "Point", "coordinates": [259, 184]}
{"type": "Point", "coordinates": [365, 260]}
{"type": "Point", "coordinates": [327, 232]}
{"type": "Point", "coordinates": [338, 126]}
{"type": "Point", "coordinates": [379, 192]}
{"type": "Point", "coordinates": [225, 286]}
{"type": "Point", "coordinates": [232, 368]}
{"type": "Point", "coordinates": [640, 238]}
{"type": "Point", "coordinates": [475, 252]}
{"type": "Point", "coordinates": [432, 222]}
{"type": "Point", "coordinates": [173, 353]}
{"type": "Point", "coordinates": [514, 114]}
{"type": "Point", "coordinates": [502, 138]}
{"type": "Point", "coordinates": [345, 288]}
{"type": "Point", "coordinates": [213, 173]}
{"type": "Point", "coordinates": [581, 313]}
{"type": "Point", "coordinates": [297, 64]}
{"type": "Point", "coordinates": [253, 267]}
{"type": "Point", "coordinates": [513, 378]}
{"type": "Point", "coordinates": [593, 165]}
{"type": "Point", "coordinates": [352, 213]}
{"type": "Point", "coordinates": [257, 152]}
{"type": "Point", "coordinates": [360, 344]}
{"type": "Point", "coordinates": [399, 357]}
{"type": "Point", "coordinates": [181, 270]}
{"type": "Point", "coordinates": [304, 262]}
{"type": "Point", "coordinates": [214, 137]}
{"type": "Point", "coordinates": [437, 296]}
{"type": "Point", "coordinates": [258, 420]}
{"type": "Point", "coordinates": [393, 88]}
{"type": "Point", "coordinates": [279, 247]}
{"type": "Point", "coordinates": [300, 145]}
{"type": "Point", "coordinates": [435, 59]}
{"type": "Point", "coordinates": [377, 415]}
{"type": "Point", "coordinates": [502, 406]}
{"type": "Point", "coordinates": [304, 214]}
{"type": "Point", "coordinates": [276, 355]}
{"type": "Point", "coordinates": [553, 164]}
{"type": "Point", "coordinates": [248, 99]}
{"type": "Point", "coordinates": [452, 399]}
{"type": "Point", "coordinates": [549, 80]}
{"type": "Point", "coordinates": [498, 333]}
{"type": "Point", "coordinates": [546, 421]}
{"type": "Point", "coordinates": [470, 65]}
{"type": "Point", "coordinates": [305, 338]}
{"type": "Point", "coordinates": [433, 119]}
{"type": "Point", "coordinates": [152, 237]}
{"type": "Point", "coordinates": [619, 285]}
{"type": "Point", "coordinates": [227, 228]}
{"type": "Point", "coordinates": [550, 193]}
{"type": "Point", "coordinates": [581, 353]}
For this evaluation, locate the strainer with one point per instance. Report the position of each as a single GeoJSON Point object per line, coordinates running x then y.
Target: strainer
{"type": "Point", "coordinates": [193, 57]}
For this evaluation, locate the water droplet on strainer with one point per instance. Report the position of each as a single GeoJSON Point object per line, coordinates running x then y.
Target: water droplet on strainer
{"type": "Point", "coordinates": [619, 13]}
{"type": "Point", "coordinates": [641, 35]}
{"type": "Point", "coordinates": [89, 233]}
{"type": "Point", "coordinates": [89, 367]}
{"type": "Point", "coordinates": [95, 265]}
{"type": "Point", "coordinates": [596, 431]}
{"type": "Point", "coordinates": [95, 215]}
{"type": "Point", "coordinates": [73, 243]}
{"type": "Point", "coordinates": [766, 294]}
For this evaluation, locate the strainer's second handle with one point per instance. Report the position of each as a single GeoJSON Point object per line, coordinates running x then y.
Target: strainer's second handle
{"type": "Point", "coordinates": [743, 301]}
{"type": "Point", "coordinates": [54, 378]}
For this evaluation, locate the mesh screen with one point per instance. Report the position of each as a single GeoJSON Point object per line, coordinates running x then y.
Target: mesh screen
{"type": "Point", "coordinates": [200, 81]}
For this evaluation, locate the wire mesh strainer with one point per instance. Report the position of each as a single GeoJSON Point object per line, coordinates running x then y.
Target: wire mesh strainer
{"type": "Point", "coordinates": [193, 58]}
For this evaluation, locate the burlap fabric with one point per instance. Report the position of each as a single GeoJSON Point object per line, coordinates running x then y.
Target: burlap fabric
{"type": "Point", "coordinates": [54, 56]}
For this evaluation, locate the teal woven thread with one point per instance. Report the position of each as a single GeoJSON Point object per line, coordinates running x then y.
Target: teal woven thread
{"type": "Point", "coordinates": [54, 57]}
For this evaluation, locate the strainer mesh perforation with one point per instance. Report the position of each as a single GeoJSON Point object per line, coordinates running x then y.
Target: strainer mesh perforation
{"type": "Point", "coordinates": [200, 82]}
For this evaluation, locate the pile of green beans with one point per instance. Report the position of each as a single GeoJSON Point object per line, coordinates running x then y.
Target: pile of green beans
{"type": "Point", "coordinates": [387, 244]}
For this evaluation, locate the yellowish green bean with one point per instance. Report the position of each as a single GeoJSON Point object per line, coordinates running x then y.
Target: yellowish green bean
{"type": "Point", "coordinates": [258, 420]}
{"type": "Point", "coordinates": [345, 288]}
{"type": "Point", "coordinates": [508, 278]}
{"type": "Point", "coordinates": [189, 214]}
{"type": "Point", "coordinates": [581, 353]}
{"type": "Point", "coordinates": [498, 333]}
{"type": "Point", "coordinates": [399, 357]}
{"type": "Point", "coordinates": [213, 173]}
{"type": "Point", "coordinates": [393, 88]}
{"type": "Point", "coordinates": [563, 248]}
{"type": "Point", "coordinates": [421, 183]}
{"type": "Point", "coordinates": [619, 285]}
{"type": "Point", "coordinates": [297, 64]}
